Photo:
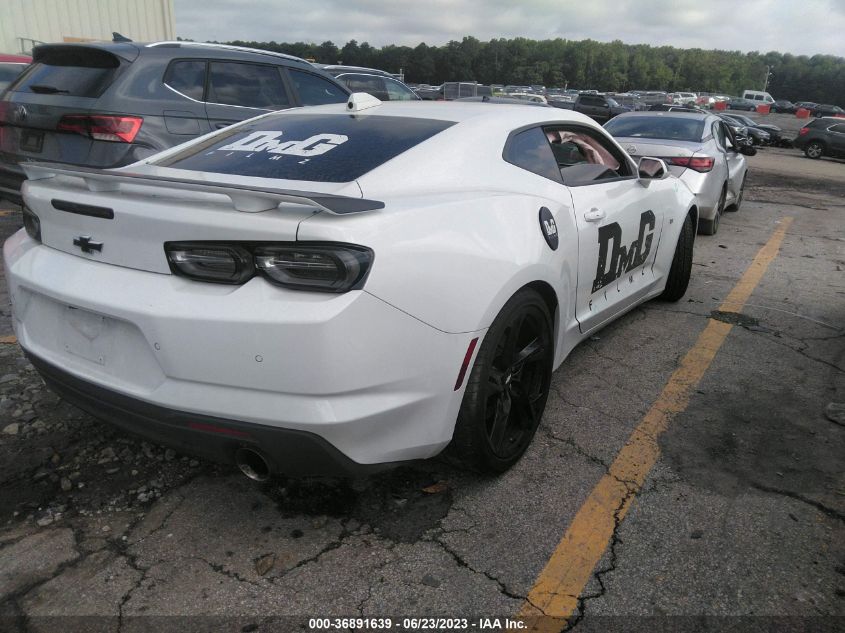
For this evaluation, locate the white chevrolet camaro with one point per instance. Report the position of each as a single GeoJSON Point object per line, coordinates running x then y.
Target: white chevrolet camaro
{"type": "Point", "coordinates": [340, 288]}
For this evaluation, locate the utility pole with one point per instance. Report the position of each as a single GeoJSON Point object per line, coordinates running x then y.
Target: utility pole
{"type": "Point", "coordinates": [768, 74]}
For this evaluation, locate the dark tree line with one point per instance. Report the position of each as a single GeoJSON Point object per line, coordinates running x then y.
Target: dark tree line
{"type": "Point", "coordinates": [612, 66]}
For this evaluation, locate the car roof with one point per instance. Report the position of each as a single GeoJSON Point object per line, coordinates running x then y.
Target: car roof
{"type": "Point", "coordinates": [666, 113]}
{"type": "Point", "coordinates": [340, 69]}
{"type": "Point", "coordinates": [131, 50]}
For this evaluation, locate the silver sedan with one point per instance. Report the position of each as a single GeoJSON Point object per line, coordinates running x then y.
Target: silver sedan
{"type": "Point", "coordinates": [699, 148]}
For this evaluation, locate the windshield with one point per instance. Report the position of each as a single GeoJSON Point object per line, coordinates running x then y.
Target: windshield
{"type": "Point", "coordinates": [677, 128]}
{"type": "Point", "coordinates": [314, 147]}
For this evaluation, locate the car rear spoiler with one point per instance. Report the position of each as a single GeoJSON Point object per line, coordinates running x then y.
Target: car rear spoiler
{"type": "Point", "coordinates": [248, 199]}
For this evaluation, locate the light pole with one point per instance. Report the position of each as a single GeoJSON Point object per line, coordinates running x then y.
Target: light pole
{"type": "Point", "coordinates": [768, 74]}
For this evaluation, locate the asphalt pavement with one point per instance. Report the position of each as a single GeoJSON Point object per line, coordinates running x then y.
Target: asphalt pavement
{"type": "Point", "coordinates": [737, 521]}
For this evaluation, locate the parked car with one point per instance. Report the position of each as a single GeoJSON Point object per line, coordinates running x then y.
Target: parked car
{"type": "Point", "coordinates": [378, 83]}
{"type": "Point", "coordinates": [824, 136]}
{"type": "Point", "coordinates": [598, 107]}
{"type": "Point", "coordinates": [775, 134]}
{"type": "Point", "coordinates": [668, 107]}
{"type": "Point", "coordinates": [755, 134]}
{"type": "Point", "coordinates": [10, 67]}
{"type": "Point", "coordinates": [827, 109]}
{"type": "Point", "coordinates": [525, 96]}
{"type": "Point", "coordinates": [112, 104]}
{"type": "Point", "coordinates": [683, 98]}
{"type": "Point", "coordinates": [700, 149]}
{"type": "Point", "coordinates": [782, 105]}
{"type": "Point", "coordinates": [504, 100]}
{"type": "Point", "coordinates": [806, 105]}
{"type": "Point", "coordinates": [280, 294]}
{"type": "Point", "coordinates": [738, 103]}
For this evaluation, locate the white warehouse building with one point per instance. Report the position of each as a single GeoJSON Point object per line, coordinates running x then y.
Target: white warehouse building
{"type": "Point", "coordinates": [25, 23]}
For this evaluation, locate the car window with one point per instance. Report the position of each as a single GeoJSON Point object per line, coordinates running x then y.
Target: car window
{"type": "Point", "coordinates": [531, 151]}
{"type": "Point", "coordinates": [665, 127]}
{"type": "Point", "coordinates": [584, 157]}
{"type": "Point", "coordinates": [719, 134]}
{"type": "Point", "coordinates": [188, 77]}
{"type": "Point", "coordinates": [296, 145]}
{"type": "Point", "coordinates": [840, 128]}
{"type": "Point", "coordinates": [371, 84]}
{"type": "Point", "coordinates": [76, 72]}
{"type": "Point", "coordinates": [314, 90]}
{"type": "Point", "coordinates": [247, 85]}
{"type": "Point", "coordinates": [398, 92]}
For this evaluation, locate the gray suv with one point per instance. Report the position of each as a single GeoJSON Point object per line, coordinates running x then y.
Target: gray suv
{"type": "Point", "coordinates": [111, 104]}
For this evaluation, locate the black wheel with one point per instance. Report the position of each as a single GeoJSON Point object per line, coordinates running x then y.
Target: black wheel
{"type": "Point", "coordinates": [711, 227]}
{"type": "Point", "coordinates": [814, 150]}
{"type": "Point", "coordinates": [679, 274]}
{"type": "Point", "coordinates": [738, 203]}
{"type": "Point", "coordinates": [507, 389]}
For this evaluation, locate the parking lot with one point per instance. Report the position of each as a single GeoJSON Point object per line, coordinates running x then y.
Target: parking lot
{"type": "Point", "coordinates": [688, 467]}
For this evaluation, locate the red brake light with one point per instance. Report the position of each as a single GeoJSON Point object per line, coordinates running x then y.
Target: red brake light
{"type": "Point", "coordinates": [803, 131]}
{"type": "Point", "coordinates": [120, 129]}
{"type": "Point", "coordinates": [697, 163]}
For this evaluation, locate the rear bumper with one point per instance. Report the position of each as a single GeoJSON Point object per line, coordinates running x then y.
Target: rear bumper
{"type": "Point", "coordinates": [352, 370]}
{"type": "Point", "coordinates": [287, 451]}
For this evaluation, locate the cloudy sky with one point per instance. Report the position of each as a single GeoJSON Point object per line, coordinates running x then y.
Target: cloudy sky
{"type": "Point", "coordinates": [798, 26]}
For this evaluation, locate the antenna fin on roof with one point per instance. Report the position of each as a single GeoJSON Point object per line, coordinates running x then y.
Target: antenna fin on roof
{"type": "Point", "coordinates": [361, 101]}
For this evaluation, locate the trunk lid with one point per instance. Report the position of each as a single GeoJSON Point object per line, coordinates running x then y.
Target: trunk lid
{"type": "Point", "coordinates": [130, 225]}
{"type": "Point", "coordinates": [660, 148]}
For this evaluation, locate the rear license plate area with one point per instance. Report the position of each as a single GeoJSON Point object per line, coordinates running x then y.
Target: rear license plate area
{"type": "Point", "coordinates": [32, 141]}
{"type": "Point", "coordinates": [86, 335]}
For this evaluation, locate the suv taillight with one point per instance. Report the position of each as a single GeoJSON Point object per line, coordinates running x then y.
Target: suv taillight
{"type": "Point", "coordinates": [118, 129]}
{"type": "Point", "coordinates": [803, 131]}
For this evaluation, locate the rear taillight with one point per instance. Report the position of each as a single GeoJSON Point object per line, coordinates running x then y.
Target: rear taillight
{"type": "Point", "coordinates": [31, 224]}
{"type": "Point", "coordinates": [118, 129]}
{"type": "Point", "coordinates": [696, 163]}
{"type": "Point", "coordinates": [324, 267]}
{"type": "Point", "coordinates": [803, 131]}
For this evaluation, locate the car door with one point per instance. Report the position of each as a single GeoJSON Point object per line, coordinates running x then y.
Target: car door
{"type": "Point", "coordinates": [241, 90]}
{"type": "Point", "coordinates": [732, 162]}
{"type": "Point", "coordinates": [618, 223]}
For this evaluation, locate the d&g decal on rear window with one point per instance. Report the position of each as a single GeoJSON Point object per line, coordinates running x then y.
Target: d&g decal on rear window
{"type": "Point", "coordinates": [315, 147]}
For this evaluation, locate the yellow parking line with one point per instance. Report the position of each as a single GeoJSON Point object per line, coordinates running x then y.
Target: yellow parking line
{"type": "Point", "coordinates": [554, 596]}
{"type": "Point", "coordinates": [11, 339]}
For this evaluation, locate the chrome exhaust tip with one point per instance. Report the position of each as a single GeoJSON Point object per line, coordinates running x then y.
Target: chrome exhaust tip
{"type": "Point", "coordinates": [252, 464]}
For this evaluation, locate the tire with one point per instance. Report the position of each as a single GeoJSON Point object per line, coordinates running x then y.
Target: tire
{"type": "Point", "coordinates": [814, 150]}
{"type": "Point", "coordinates": [711, 227]}
{"type": "Point", "coordinates": [508, 386]}
{"type": "Point", "coordinates": [736, 205]}
{"type": "Point", "coordinates": [679, 274]}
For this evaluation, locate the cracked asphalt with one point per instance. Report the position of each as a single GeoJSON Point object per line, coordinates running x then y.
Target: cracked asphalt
{"type": "Point", "coordinates": [741, 522]}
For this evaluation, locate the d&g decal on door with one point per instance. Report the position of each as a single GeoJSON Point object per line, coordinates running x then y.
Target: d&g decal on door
{"type": "Point", "coordinates": [622, 259]}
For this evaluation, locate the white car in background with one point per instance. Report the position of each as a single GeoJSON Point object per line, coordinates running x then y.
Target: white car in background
{"type": "Point", "coordinates": [338, 288]}
{"type": "Point", "coordinates": [700, 149]}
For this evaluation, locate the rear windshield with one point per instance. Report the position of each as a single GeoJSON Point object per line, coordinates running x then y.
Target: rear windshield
{"type": "Point", "coordinates": [78, 72]}
{"type": "Point", "coordinates": [314, 147]}
{"type": "Point", "coordinates": [680, 129]}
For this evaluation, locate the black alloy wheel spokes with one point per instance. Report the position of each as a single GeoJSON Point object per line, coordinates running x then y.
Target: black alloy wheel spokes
{"type": "Point", "coordinates": [516, 383]}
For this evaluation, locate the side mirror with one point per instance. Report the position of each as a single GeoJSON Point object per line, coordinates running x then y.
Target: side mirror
{"type": "Point", "coordinates": [649, 169]}
{"type": "Point", "coordinates": [748, 149]}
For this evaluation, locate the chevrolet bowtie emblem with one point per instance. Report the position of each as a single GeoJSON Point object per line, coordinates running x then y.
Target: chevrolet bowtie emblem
{"type": "Point", "coordinates": [84, 242]}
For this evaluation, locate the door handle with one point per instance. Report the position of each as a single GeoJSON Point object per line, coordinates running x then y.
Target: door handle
{"type": "Point", "coordinates": [594, 215]}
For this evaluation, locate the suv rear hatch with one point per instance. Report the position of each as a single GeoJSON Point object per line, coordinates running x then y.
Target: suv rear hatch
{"type": "Point", "coordinates": [44, 113]}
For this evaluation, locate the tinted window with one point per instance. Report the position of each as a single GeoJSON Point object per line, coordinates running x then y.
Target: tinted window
{"type": "Point", "coordinates": [399, 92]}
{"type": "Point", "coordinates": [78, 72]}
{"type": "Point", "coordinates": [371, 84]}
{"type": "Point", "coordinates": [316, 147]}
{"type": "Point", "coordinates": [681, 129]}
{"type": "Point", "coordinates": [314, 90]}
{"type": "Point", "coordinates": [719, 133]}
{"type": "Point", "coordinates": [531, 151]}
{"type": "Point", "coordinates": [8, 72]}
{"type": "Point", "coordinates": [585, 157]}
{"type": "Point", "coordinates": [592, 101]}
{"type": "Point", "coordinates": [838, 128]}
{"type": "Point", "coordinates": [187, 77]}
{"type": "Point", "coordinates": [249, 85]}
